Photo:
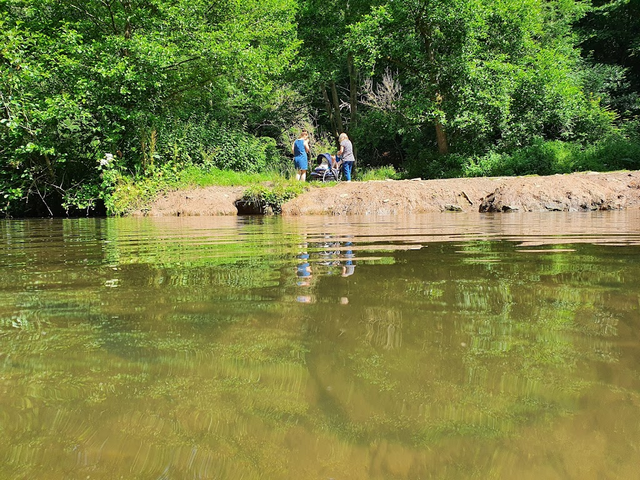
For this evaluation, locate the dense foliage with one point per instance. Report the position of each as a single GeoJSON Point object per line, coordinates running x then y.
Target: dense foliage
{"type": "Point", "coordinates": [147, 81]}
{"type": "Point", "coordinates": [100, 93]}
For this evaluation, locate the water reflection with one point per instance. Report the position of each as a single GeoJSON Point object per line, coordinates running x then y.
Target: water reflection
{"type": "Point", "coordinates": [330, 257]}
{"type": "Point", "coordinates": [304, 276]}
{"type": "Point", "coordinates": [490, 346]}
{"type": "Point", "coordinates": [304, 270]}
{"type": "Point", "coordinates": [383, 328]}
{"type": "Point", "coordinates": [349, 266]}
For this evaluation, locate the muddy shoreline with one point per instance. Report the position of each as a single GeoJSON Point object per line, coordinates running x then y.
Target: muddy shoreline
{"type": "Point", "coordinates": [587, 191]}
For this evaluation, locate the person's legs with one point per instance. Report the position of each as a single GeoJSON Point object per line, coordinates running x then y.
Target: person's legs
{"type": "Point", "coordinates": [301, 165]}
{"type": "Point", "coordinates": [347, 171]}
{"type": "Point", "coordinates": [296, 163]}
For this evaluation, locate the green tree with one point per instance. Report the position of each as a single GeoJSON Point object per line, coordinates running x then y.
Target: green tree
{"type": "Point", "coordinates": [82, 79]}
{"type": "Point", "coordinates": [481, 73]}
{"type": "Point", "coordinates": [327, 64]}
{"type": "Point", "coordinates": [610, 43]}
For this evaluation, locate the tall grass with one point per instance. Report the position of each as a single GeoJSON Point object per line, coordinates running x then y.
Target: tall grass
{"type": "Point", "coordinates": [379, 173]}
{"type": "Point", "coordinates": [196, 177]}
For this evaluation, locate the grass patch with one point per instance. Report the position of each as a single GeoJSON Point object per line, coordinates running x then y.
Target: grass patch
{"type": "Point", "coordinates": [268, 199]}
{"type": "Point", "coordinates": [379, 173]}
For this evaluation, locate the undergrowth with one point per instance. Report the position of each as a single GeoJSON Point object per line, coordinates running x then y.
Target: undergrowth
{"type": "Point", "coordinates": [542, 157]}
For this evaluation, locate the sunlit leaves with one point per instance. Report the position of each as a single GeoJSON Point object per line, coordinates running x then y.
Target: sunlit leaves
{"type": "Point", "coordinates": [81, 79]}
{"type": "Point", "coordinates": [500, 72]}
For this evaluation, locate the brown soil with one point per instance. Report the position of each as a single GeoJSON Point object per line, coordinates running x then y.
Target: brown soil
{"type": "Point", "coordinates": [573, 192]}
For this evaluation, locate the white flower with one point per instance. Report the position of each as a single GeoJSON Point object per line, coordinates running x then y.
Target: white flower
{"type": "Point", "coordinates": [108, 158]}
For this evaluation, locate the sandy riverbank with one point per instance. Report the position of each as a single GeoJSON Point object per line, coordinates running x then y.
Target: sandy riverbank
{"type": "Point", "coordinates": [572, 192]}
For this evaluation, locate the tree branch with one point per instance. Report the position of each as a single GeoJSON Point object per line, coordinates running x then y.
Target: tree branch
{"type": "Point", "coordinates": [42, 198]}
{"type": "Point", "coordinates": [113, 21]}
{"type": "Point", "coordinates": [96, 21]}
{"type": "Point", "coordinates": [175, 65]}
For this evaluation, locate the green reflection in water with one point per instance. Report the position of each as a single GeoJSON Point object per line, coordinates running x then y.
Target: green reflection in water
{"type": "Point", "coordinates": [170, 349]}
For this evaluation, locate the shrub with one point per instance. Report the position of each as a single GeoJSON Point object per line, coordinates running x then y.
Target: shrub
{"type": "Point", "coordinates": [548, 158]}
{"type": "Point", "coordinates": [611, 154]}
{"type": "Point", "coordinates": [431, 165]}
{"type": "Point", "coordinates": [205, 142]}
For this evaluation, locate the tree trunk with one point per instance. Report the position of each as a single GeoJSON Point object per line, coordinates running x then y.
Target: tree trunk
{"type": "Point", "coordinates": [327, 105]}
{"type": "Point", "coordinates": [441, 137]}
{"type": "Point", "coordinates": [52, 175]}
{"type": "Point", "coordinates": [425, 30]}
{"type": "Point", "coordinates": [128, 29]}
{"type": "Point", "coordinates": [353, 91]}
{"type": "Point", "coordinates": [336, 107]}
{"type": "Point", "coordinates": [126, 5]}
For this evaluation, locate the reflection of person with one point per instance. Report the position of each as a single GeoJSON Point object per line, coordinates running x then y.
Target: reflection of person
{"type": "Point", "coordinates": [300, 150]}
{"type": "Point", "coordinates": [304, 277]}
{"type": "Point", "coordinates": [349, 267]}
{"type": "Point", "coordinates": [346, 154]}
{"type": "Point", "coordinates": [304, 270]}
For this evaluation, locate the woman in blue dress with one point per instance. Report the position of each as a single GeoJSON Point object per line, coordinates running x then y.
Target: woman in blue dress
{"type": "Point", "coordinates": [300, 149]}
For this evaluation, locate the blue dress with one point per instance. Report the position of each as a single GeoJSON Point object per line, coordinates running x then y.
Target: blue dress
{"type": "Point", "coordinates": [300, 155]}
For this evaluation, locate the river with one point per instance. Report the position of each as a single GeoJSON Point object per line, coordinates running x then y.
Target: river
{"type": "Point", "coordinates": [432, 346]}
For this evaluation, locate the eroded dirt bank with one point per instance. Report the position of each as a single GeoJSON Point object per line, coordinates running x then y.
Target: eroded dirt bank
{"type": "Point", "coordinates": [574, 192]}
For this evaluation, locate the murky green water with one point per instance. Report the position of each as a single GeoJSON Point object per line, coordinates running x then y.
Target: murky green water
{"type": "Point", "coordinates": [445, 346]}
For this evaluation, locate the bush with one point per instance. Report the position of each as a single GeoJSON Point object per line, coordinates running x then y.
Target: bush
{"type": "Point", "coordinates": [377, 138]}
{"type": "Point", "coordinates": [611, 154]}
{"type": "Point", "coordinates": [548, 158]}
{"type": "Point", "coordinates": [484, 166]}
{"type": "Point", "coordinates": [431, 165]}
{"type": "Point", "coordinates": [541, 158]}
{"type": "Point", "coordinates": [204, 142]}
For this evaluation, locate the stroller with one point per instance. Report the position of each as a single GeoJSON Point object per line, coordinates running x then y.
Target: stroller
{"type": "Point", "coordinates": [327, 170]}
